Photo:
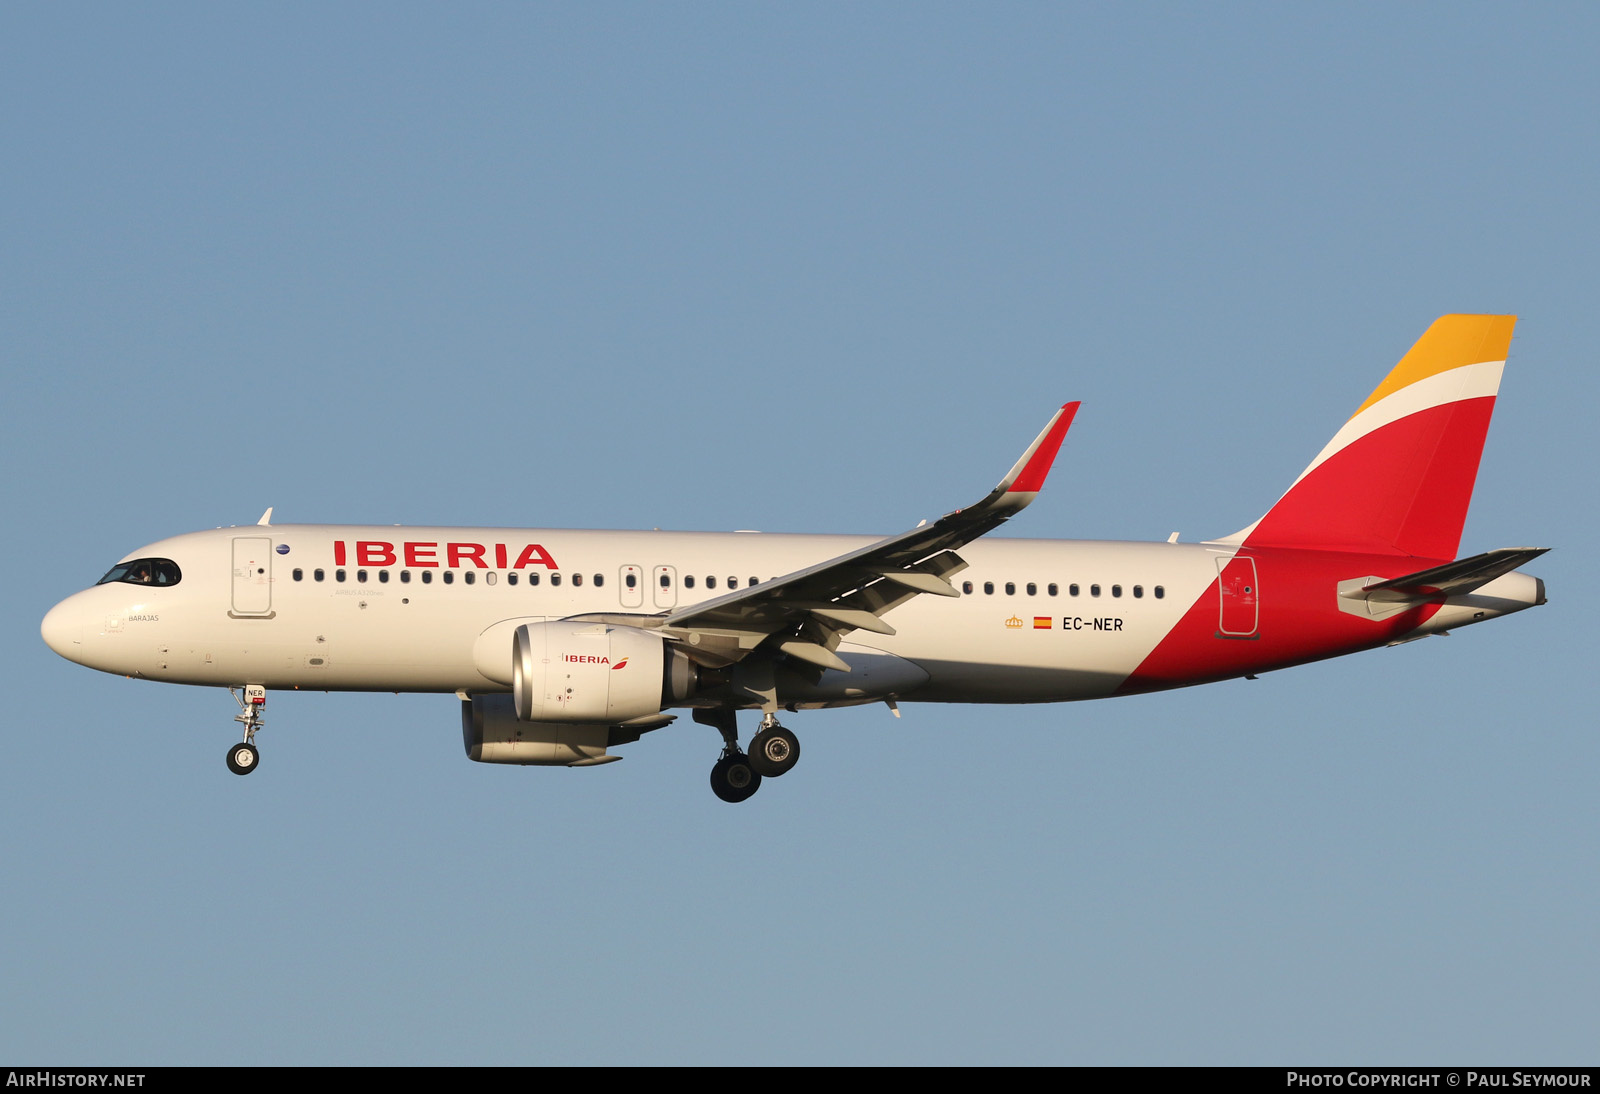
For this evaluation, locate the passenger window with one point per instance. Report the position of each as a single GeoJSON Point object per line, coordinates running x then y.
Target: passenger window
{"type": "Point", "coordinates": [688, 581]}
{"type": "Point", "coordinates": [1051, 588]}
{"type": "Point", "coordinates": [1094, 590]}
{"type": "Point", "coordinates": [361, 577]}
{"type": "Point", "coordinates": [533, 579]}
{"type": "Point", "coordinates": [1011, 588]}
{"type": "Point", "coordinates": [555, 579]}
{"type": "Point", "coordinates": [1033, 590]}
{"type": "Point", "coordinates": [754, 582]}
{"type": "Point", "coordinates": [405, 577]}
{"type": "Point", "coordinates": [470, 577]}
{"type": "Point", "coordinates": [966, 586]}
{"type": "Point", "coordinates": [298, 573]}
{"type": "Point", "coordinates": [599, 580]}
{"type": "Point", "coordinates": [491, 577]}
{"type": "Point", "coordinates": [1138, 591]}
{"type": "Point", "coordinates": [631, 581]}
{"type": "Point", "coordinates": [449, 577]}
{"type": "Point", "coordinates": [711, 582]}
{"type": "Point", "coordinates": [511, 578]}
{"type": "Point", "coordinates": [1116, 590]}
{"type": "Point", "coordinates": [577, 579]}
{"type": "Point", "coordinates": [988, 588]}
{"type": "Point", "coordinates": [317, 575]}
{"type": "Point", "coordinates": [1160, 592]}
{"type": "Point", "coordinates": [427, 577]}
{"type": "Point", "coordinates": [733, 583]}
{"type": "Point", "coordinates": [338, 575]}
{"type": "Point", "coordinates": [666, 582]}
{"type": "Point", "coordinates": [383, 576]}
{"type": "Point", "coordinates": [1072, 590]}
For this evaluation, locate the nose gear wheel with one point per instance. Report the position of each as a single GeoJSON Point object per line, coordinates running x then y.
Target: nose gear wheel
{"type": "Point", "coordinates": [244, 756]}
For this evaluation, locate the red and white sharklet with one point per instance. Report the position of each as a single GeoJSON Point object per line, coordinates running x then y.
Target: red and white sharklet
{"type": "Point", "coordinates": [1359, 552]}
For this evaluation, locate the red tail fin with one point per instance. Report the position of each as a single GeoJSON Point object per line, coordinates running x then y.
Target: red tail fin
{"type": "Point", "coordinates": [1398, 477]}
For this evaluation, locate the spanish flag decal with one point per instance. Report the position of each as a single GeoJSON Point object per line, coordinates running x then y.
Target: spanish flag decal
{"type": "Point", "coordinates": [1041, 622]}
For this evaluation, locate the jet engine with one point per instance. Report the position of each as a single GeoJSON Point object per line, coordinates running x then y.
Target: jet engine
{"type": "Point", "coordinates": [493, 734]}
{"type": "Point", "coordinates": [577, 688]}
{"type": "Point", "coordinates": [595, 673]}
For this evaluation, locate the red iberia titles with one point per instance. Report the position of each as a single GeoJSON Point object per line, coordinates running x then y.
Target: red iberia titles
{"type": "Point", "coordinates": [420, 555]}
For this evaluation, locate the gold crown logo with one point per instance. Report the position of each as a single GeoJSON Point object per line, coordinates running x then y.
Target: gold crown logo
{"type": "Point", "coordinates": [1014, 622]}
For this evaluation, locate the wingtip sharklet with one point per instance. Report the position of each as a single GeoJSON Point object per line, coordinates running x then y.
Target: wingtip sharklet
{"type": "Point", "coordinates": [1029, 473]}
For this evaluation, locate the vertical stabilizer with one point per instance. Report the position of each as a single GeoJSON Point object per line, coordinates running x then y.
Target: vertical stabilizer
{"type": "Point", "coordinates": [1397, 478]}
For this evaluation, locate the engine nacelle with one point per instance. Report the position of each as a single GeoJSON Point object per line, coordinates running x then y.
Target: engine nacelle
{"type": "Point", "coordinates": [594, 673]}
{"type": "Point", "coordinates": [493, 734]}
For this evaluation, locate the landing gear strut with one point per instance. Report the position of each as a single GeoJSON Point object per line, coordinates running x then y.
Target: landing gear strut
{"type": "Point", "coordinates": [736, 776]}
{"type": "Point", "coordinates": [732, 777]}
{"type": "Point", "coordinates": [244, 756]}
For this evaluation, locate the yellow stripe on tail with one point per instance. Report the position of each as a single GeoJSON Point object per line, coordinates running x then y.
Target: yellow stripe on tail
{"type": "Point", "coordinates": [1452, 341]}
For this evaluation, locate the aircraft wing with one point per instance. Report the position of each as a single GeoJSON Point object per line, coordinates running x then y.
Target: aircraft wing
{"type": "Point", "coordinates": [804, 614]}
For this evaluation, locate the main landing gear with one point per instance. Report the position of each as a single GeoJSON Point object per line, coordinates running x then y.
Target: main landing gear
{"type": "Point", "coordinates": [244, 756]}
{"type": "Point", "coordinates": [736, 776]}
{"type": "Point", "coordinates": [732, 777]}
{"type": "Point", "coordinates": [773, 750]}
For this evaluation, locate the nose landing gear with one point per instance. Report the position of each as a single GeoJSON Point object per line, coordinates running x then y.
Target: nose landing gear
{"type": "Point", "coordinates": [244, 756]}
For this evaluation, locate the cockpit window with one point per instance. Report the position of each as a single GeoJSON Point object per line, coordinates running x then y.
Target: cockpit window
{"type": "Point", "coordinates": [144, 571]}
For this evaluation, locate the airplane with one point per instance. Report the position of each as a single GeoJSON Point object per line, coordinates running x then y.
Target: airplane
{"type": "Point", "coordinates": [562, 644]}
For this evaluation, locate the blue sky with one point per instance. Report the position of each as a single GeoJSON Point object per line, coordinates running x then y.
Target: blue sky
{"type": "Point", "coordinates": [808, 268]}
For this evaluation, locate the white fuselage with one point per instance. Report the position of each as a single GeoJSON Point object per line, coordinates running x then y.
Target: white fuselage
{"type": "Point", "coordinates": [426, 609]}
{"type": "Point", "coordinates": [399, 627]}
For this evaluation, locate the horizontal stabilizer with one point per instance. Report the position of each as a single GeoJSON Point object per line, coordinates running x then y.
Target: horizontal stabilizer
{"type": "Point", "coordinates": [1451, 579]}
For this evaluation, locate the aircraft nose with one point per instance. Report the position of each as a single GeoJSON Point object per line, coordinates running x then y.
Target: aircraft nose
{"type": "Point", "coordinates": [62, 630]}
